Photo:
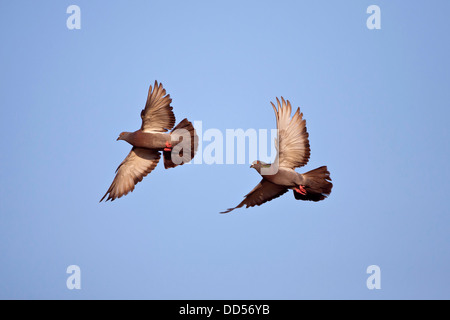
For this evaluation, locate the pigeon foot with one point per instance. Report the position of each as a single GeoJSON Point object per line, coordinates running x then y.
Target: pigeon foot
{"type": "Point", "coordinates": [301, 190]}
{"type": "Point", "coordinates": [168, 147]}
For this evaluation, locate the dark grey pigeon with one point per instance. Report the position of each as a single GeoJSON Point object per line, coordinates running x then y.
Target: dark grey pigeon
{"type": "Point", "coordinates": [293, 152]}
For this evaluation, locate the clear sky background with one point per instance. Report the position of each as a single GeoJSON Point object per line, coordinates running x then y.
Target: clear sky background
{"type": "Point", "coordinates": [376, 104]}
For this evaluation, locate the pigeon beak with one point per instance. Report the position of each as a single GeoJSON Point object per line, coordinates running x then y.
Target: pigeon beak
{"type": "Point", "coordinates": [251, 166]}
{"type": "Point", "coordinates": [118, 139]}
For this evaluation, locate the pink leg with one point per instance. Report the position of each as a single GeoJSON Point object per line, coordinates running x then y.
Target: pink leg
{"type": "Point", "coordinates": [301, 190]}
{"type": "Point", "coordinates": [168, 147]}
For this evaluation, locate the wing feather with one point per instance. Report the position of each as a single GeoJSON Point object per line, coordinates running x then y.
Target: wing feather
{"type": "Point", "coordinates": [139, 163]}
{"type": "Point", "coordinates": [157, 116]}
{"type": "Point", "coordinates": [292, 142]}
{"type": "Point", "coordinates": [263, 192]}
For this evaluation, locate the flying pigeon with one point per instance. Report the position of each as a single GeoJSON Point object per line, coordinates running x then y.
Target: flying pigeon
{"type": "Point", "coordinates": [178, 147]}
{"type": "Point", "coordinates": [293, 151]}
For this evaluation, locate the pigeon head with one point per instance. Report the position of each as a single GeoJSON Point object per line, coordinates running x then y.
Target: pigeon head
{"type": "Point", "coordinates": [257, 165]}
{"type": "Point", "coordinates": [123, 136]}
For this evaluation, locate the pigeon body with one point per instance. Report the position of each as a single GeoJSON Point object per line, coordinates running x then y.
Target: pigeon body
{"type": "Point", "coordinates": [284, 176]}
{"type": "Point", "coordinates": [293, 151]}
{"type": "Point", "coordinates": [147, 140]}
{"type": "Point", "coordinates": [178, 147]}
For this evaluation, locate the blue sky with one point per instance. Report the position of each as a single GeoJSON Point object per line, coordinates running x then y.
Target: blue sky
{"type": "Point", "coordinates": [376, 104]}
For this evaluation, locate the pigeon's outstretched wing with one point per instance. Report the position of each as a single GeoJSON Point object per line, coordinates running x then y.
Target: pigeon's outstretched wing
{"type": "Point", "coordinates": [139, 163]}
{"type": "Point", "coordinates": [292, 143]}
{"type": "Point", "coordinates": [157, 116]}
{"type": "Point", "coordinates": [263, 192]}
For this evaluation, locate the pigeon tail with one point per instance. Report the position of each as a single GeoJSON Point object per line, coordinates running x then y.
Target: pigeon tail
{"type": "Point", "coordinates": [317, 185]}
{"type": "Point", "coordinates": [185, 144]}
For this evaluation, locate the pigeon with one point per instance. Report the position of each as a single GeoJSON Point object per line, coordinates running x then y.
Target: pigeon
{"type": "Point", "coordinates": [178, 147]}
{"type": "Point", "coordinates": [293, 151]}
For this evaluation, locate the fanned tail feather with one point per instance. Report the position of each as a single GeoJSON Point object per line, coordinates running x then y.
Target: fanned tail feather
{"type": "Point", "coordinates": [317, 185]}
{"type": "Point", "coordinates": [185, 144]}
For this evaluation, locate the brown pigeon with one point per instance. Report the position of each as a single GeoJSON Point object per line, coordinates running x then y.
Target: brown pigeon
{"type": "Point", "coordinates": [178, 147]}
{"type": "Point", "coordinates": [293, 152]}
